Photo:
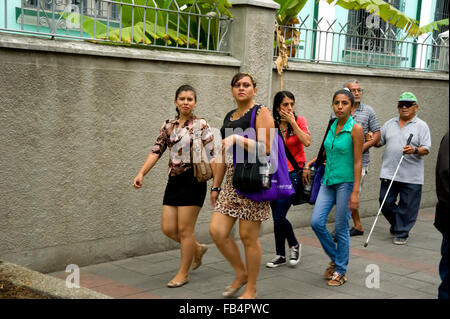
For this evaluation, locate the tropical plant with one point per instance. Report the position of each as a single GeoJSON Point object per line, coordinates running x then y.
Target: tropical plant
{"type": "Point", "coordinates": [286, 35]}
{"type": "Point", "coordinates": [289, 10]}
{"type": "Point", "coordinates": [167, 22]}
{"type": "Point", "coordinates": [390, 15]}
{"type": "Point", "coordinates": [286, 19]}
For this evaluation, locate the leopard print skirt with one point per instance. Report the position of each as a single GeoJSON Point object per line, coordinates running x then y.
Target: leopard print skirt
{"type": "Point", "coordinates": [232, 204]}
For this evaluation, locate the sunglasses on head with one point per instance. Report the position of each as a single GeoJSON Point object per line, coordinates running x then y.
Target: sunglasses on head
{"type": "Point", "coordinates": [406, 104]}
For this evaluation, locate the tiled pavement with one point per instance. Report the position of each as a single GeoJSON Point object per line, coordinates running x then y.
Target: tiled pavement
{"type": "Point", "coordinates": [406, 272]}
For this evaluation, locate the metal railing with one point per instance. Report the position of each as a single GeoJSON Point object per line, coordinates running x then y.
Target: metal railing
{"type": "Point", "coordinates": [189, 25]}
{"type": "Point", "coordinates": [378, 47]}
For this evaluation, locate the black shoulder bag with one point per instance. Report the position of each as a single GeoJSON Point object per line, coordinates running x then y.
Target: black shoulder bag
{"type": "Point", "coordinates": [250, 176]}
{"type": "Point", "coordinates": [297, 199]}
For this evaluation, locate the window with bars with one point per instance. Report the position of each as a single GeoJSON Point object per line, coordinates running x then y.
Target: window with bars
{"type": "Point", "coordinates": [97, 8]}
{"type": "Point", "coordinates": [366, 33]}
{"type": "Point", "coordinates": [440, 13]}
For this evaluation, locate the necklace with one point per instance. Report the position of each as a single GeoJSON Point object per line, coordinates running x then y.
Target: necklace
{"type": "Point", "coordinates": [233, 117]}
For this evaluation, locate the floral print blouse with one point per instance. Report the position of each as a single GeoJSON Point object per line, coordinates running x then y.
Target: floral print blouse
{"type": "Point", "coordinates": [179, 140]}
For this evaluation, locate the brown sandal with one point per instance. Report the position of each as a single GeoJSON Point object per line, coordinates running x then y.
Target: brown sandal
{"type": "Point", "coordinates": [329, 271]}
{"type": "Point", "coordinates": [337, 280]}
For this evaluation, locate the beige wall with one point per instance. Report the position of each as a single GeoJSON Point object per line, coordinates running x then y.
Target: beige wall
{"type": "Point", "coordinates": [77, 121]}
{"type": "Point", "coordinates": [75, 130]}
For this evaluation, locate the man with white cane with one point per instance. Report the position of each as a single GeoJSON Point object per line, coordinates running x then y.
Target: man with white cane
{"type": "Point", "coordinates": [409, 179]}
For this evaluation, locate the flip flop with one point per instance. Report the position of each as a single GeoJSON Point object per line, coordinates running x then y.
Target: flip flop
{"type": "Point", "coordinates": [356, 232]}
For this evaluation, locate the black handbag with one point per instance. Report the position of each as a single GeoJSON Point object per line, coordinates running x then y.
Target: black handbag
{"type": "Point", "coordinates": [298, 197]}
{"type": "Point", "coordinates": [252, 176]}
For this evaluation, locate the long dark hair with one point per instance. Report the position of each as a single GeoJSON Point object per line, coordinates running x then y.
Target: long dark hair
{"type": "Point", "coordinates": [183, 88]}
{"type": "Point", "coordinates": [277, 99]}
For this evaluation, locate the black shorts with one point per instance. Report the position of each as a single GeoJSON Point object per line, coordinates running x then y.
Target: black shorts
{"type": "Point", "coordinates": [184, 190]}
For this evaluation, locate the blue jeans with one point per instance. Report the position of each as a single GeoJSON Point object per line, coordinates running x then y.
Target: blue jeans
{"type": "Point", "coordinates": [401, 216]}
{"type": "Point", "coordinates": [329, 195]}
{"type": "Point", "coordinates": [444, 270]}
{"type": "Point", "coordinates": [282, 227]}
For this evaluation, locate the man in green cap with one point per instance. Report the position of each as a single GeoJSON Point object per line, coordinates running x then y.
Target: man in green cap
{"type": "Point", "coordinates": [410, 175]}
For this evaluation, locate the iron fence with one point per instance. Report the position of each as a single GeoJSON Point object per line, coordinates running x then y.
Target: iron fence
{"type": "Point", "coordinates": [378, 46]}
{"type": "Point", "coordinates": [199, 25]}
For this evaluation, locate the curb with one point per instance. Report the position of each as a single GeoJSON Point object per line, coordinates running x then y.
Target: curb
{"type": "Point", "coordinates": [44, 284]}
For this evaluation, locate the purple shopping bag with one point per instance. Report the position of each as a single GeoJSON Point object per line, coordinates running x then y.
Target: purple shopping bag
{"type": "Point", "coordinates": [281, 184]}
{"type": "Point", "coordinates": [316, 183]}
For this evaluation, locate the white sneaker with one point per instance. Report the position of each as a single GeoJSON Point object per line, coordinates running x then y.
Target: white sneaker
{"type": "Point", "coordinates": [294, 255]}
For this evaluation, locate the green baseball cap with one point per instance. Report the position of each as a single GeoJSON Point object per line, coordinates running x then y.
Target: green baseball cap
{"type": "Point", "coordinates": [407, 97]}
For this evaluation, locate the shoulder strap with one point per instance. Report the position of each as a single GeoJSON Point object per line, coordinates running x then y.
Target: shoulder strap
{"type": "Point", "coordinates": [289, 155]}
{"type": "Point", "coordinates": [253, 119]}
{"type": "Point", "coordinates": [320, 156]}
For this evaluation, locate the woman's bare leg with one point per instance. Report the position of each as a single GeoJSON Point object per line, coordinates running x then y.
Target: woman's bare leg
{"type": "Point", "coordinates": [183, 230]}
{"type": "Point", "coordinates": [169, 222]}
{"type": "Point", "coordinates": [249, 232]}
{"type": "Point", "coordinates": [220, 229]}
{"type": "Point", "coordinates": [169, 225]}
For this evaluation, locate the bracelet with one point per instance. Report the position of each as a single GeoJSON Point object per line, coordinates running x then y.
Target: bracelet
{"type": "Point", "coordinates": [216, 189]}
{"type": "Point", "coordinates": [306, 168]}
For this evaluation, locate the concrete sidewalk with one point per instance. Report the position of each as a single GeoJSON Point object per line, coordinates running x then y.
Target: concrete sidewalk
{"type": "Point", "coordinates": [407, 272]}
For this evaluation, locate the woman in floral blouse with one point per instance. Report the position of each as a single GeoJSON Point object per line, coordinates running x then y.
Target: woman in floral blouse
{"type": "Point", "coordinates": [184, 195]}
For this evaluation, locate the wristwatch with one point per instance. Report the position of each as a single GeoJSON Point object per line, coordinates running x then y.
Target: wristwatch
{"type": "Point", "coordinates": [216, 189]}
{"type": "Point", "coordinates": [416, 150]}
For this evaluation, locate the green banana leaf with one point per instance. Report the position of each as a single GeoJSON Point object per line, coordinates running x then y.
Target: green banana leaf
{"type": "Point", "coordinates": [185, 24]}
{"type": "Point", "coordinates": [391, 15]}
{"type": "Point", "coordinates": [433, 26]}
{"type": "Point", "coordinates": [178, 25]}
{"type": "Point", "coordinates": [89, 24]}
{"type": "Point", "coordinates": [289, 9]}
{"type": "Point", "coordinates": [124, 35]}
{"type": "Point", "coordinates": [384, 10]}
{"type": "Point", "coordinates": [171, 27]}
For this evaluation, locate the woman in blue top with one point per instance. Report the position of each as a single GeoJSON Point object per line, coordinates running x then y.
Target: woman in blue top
{"type": "Point", "coordinates": [340, 185]}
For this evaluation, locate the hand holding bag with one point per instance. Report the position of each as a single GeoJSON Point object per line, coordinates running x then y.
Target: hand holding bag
{"type": "Point", "coordinates": [298, 198]}
{"type": "Point", "coordinates": [251, 177]}
{"type": "Point", "coordinates": [200, 161]}
{"type": "Point", "coordinates": [311, 196]}
{"type": "Point", "coordinates": [280, 184]}
{"type": "Point", "coordinates": [315, 187]}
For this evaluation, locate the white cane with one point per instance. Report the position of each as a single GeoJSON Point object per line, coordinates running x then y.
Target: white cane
{"type": "Point", "coordinates": [393, 177]}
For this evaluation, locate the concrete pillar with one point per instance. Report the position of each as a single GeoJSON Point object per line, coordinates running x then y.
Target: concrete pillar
{"type": "Point", "coordinates": [252, 38]}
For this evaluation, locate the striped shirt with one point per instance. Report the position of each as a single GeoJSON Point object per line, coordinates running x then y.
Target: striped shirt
{"type": "Point", "coordinates": [365, 116]}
